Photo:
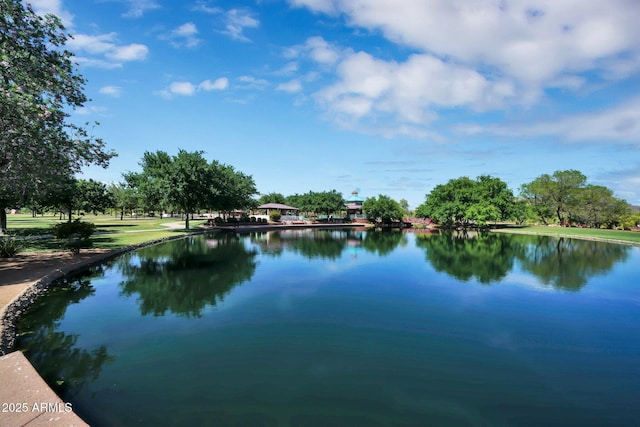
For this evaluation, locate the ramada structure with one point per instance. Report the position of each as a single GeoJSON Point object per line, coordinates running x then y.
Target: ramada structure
{"type": "Point", "coordinates": [354, 207]}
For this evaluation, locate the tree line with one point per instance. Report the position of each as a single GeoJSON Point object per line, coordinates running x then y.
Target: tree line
{"type": "Point", "coordinates": [564, 198]}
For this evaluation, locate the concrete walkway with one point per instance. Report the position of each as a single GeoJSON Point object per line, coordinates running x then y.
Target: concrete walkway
{"type": "Point", "coordinates": [26, 400]}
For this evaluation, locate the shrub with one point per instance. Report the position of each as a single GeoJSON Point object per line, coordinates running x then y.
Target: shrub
{"type": "Point", "coordinates": [218, 220]}
{"type": "Point", "coordinates": [75, 233]}
{"type": "Point", "coordinates": [252, 219]}
{"type": "Point", "coordinates": [244, 218]}
{"type": "Point", "coordinates": [231, 220]}
{"type": "Point", "coordinates": [10, 246]}
{"type": "Point", "coordinates": [275, 216]}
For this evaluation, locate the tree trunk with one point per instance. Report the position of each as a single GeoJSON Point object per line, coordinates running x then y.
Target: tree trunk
{"type": "Point", "coordinates": [3, 219]}
{"type": "Point", "coordinates": [186, 221]}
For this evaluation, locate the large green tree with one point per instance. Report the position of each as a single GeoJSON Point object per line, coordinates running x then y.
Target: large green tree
{"type": "Point", "coordinates": [555, 195]}
{"type": "Point", "coordinates": [230, 189]}
{"type": "Point", "coordinates": [39, 84]}
{"type": "Point", "coordinates": [463, 200]}
{"type": "Point", "coordinates": [382, 209]}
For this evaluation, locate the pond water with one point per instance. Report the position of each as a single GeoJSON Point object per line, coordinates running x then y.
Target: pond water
{"type": "Point", "coordinates": [344, 327]}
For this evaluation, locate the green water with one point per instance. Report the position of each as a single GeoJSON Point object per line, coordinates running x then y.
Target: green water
{"type": "Point", "coordinates": [332, 328]}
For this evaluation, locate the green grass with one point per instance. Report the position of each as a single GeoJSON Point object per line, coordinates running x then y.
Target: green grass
{"type": "Point", "coordinates": [111, 232]}
{"type": "Point", "coordinates": [581, 233]}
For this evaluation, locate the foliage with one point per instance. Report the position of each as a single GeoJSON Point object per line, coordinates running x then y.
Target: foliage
{"type": "Point", "coordinates": [325, 202]}
{"type": "Point", "coordinates": [185, 276]}
{"type": "Point", "coordinates": [93, 196]}
{"type": "Point", "coordinates": [275, 215]}
{"type": "Point", "coordinates": [39, 85]}
{"type": "Point", "coordinates": [463, 200]}
{"type": "Point", "coordinates": [230, 189]}
{"type": "Point", "coordinates": [76, 234]}
{"type": "Point", "coordinates": [630, 220]}
{"type": "Point", "coordinates": [566, 196]}
{"type": "Point", "coordinates": [10, 246]}
{"type": "Point", "coordinates": [382, 209]}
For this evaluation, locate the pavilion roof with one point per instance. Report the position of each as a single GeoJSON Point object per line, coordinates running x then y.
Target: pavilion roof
{"type": "Point", "coordinates": [278, 206]}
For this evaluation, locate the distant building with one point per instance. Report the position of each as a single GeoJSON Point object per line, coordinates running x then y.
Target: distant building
{"type": "Point", "coordinates": [354, 207]}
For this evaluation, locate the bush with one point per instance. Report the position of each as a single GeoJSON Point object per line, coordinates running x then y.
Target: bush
{"type": "Point", "coordinates": [231, 220]}
{"type": "Point", "coordinates": [244, 218]}
{"type": "Point", "coordinates": [252, 219]}
{"type": "Point", "coordinates": [218, 220]}
{"type": "Point", "coordinates": [275, 216]}
{"type": "Point", "coordinates": [75, 233]}
{"type": "Point", "coordinates": [10, 246]}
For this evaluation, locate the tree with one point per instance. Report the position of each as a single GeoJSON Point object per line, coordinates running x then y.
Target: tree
{"type": "Point", "coordinates": [124, 197]}
{"type": "Point", "coordinates": [382, 209]}
{"type": "Point", "coordinates": [329, 202]}
{"type": "Point", "coordinates": [231, 189]}
{"type": "Point", "coordinates": [38, 85]}
{"type": "Point", "coordinates": [189, 182]}
{"type": "Point", "coordinates": [555, 194]}
{"type": "Point", "coordinates": [597, 206]}
{"type": "Point", "coordinates": [463, 200]}
{"type": "Point", "coordinates": [93, 196]}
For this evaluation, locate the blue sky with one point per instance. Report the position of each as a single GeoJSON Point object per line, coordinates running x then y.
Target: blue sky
{"type": "Point", "coordinates": [387, 96]}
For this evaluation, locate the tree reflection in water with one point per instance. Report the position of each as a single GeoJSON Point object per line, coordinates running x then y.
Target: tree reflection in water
{"type": "Point", "coordinates": [184, 276]}
{"type": "Point", "coordinates": [327, 244]}
{"type": "Point", "coordinates": [61, 363]}
{"type": "Point", "coordinates": [568, 264]}
{"type": "Point", "coordinates": [485, 257]}
{"type": "Point", "coordinates": [565, 264]}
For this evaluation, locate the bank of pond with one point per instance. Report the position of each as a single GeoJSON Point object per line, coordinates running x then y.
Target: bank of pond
{"type": "Point", "coordinates": [347, 327]}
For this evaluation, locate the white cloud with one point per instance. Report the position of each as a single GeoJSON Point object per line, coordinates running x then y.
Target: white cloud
{"type": "Point", "coordinates": [184, 36]}
{"type": "Point", "coordinates": [316, 49]}
{"type": "Point", "coordinates": [182, 88]}
{"type": "Point", "coordinates": [113, 91]}
{"type": "Point", "coordinates": [43, 7]}
{"type": "Point", "coordinates": [138, 8]}
{"type": "Point", "coordinates": [203, 6]}
{"type": "Point", "coordinates": [250, 82]}
{"type": "Point", "coordinates": [292, 86]}
{"type": "Point", "coordinates": [185, 88]}
{"type": "Point", "coordinates": [618, 124]}
{"type": "Point", "coordinates": [234, 21]}
{"type": "Point", "coordinates": [407, 92]}
{"type": "Point", "coordinates": [237, 20]}
{"type": "Point", "coordinates": [475, 55]}
{"type": "Point", "coordinates": [219, 84]}
{"type": "Point", "coordinates": [112, 54]}
{"type": "Point", "coordinates": [132, 52]}
{"type": "Point", "coordinates": [532, 43]}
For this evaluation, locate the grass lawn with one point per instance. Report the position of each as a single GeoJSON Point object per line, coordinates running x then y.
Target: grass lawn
{"type": "Point", "coordinates": [111, 232]}
{"type": "Point", "coordinates": [581, 233]}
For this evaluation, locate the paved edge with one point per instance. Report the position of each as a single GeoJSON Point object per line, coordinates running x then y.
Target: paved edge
{"type": "Point", "coordinates": [27, 400]}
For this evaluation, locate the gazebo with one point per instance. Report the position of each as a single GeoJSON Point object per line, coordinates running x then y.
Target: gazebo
{"type": "Point", "coordinates": [354, 204]}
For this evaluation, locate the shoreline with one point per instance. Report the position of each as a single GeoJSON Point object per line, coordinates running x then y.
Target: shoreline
{"type": "Point", "coordinates": [563, 235]}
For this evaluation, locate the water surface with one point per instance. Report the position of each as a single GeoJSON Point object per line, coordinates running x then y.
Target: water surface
{"type": "Point", "coordinates": [314, 328]}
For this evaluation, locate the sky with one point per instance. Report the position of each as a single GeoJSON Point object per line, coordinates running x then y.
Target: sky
{"type": "Point", "coordinates": [384, 96]}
